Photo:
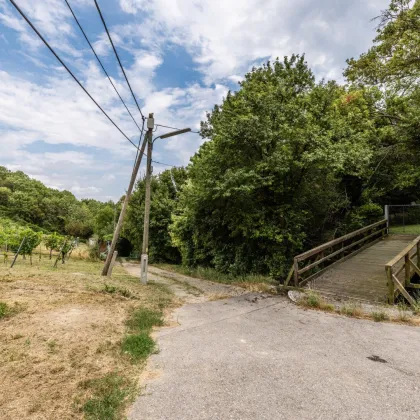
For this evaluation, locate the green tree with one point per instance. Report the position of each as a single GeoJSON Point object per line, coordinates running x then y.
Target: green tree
{"type": "Point", "coordinates": [52, 242]}
{"type": "Point", "coordinates": [393, 65]}
{"type": "Point", "coordinates": [273, 178]}
{"type": "Point", "coordinates": [104, 222]}
{"type": "Point", "coordinates": [165, 187]}
{"type": "Point", "coordinates": [80, 221]}
{"type": "Point", "coordinates": [395, 56]}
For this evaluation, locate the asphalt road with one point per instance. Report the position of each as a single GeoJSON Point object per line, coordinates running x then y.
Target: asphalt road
{"type": "Point", "coordinates": [264, 358]}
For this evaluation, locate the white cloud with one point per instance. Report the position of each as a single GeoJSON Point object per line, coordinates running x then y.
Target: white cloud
{"type": "Point", "coordinates": [83, 191]}
{"type": "Point", "coordinates": [224, 38]}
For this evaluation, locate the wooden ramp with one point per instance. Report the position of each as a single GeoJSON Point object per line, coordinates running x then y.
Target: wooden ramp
{"type": "Point", "coordinates": [362, 276]}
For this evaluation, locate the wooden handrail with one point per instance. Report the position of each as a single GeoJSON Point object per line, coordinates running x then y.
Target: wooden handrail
{"type": "Point", "coordinates": [296, 271]}
{"type": "Point", "coordinates": [394, 283]}
{"type": "Point", "coordinates": [402, 254]}
{"type": "Point", "coordinates": [336, 241]}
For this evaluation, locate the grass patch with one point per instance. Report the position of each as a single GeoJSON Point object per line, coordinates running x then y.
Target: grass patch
{"type": "Point", "coordinates": [351, 310]}
{"type": "Point", "coordinates": [52, 346]}
{"type": "Point", "coordinates": [313, 300]}
{"type": "Point", "coordinates": [122, 291]}
{"type": "Point", "coordinates": [380, 316]}
{"type": "Point", "coordinates": [408, 229]}
{"type": "Point", "coordinates": [144, 320]}
{"type": "Point", "coordinates": [7, 311]}
{"type": "Point", "coordinates": [138, 346]}
{"type": "Point", "coordinates": [109, 397]}
{"type": "Point", "coordinates": [403, 315]}
{"type": "Point", "coordinates": [211, 274]}
{"type": "Point", "coordinates": [4, 309]}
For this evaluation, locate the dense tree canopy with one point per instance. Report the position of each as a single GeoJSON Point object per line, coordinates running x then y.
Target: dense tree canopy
{"type": "Point", "coordinates": [165, 187]}
{"type": "Point", "coordinates": [26, 200]}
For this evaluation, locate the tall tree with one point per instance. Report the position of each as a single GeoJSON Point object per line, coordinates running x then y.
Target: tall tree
{"type": "Point", "coordinates": [270, 180]}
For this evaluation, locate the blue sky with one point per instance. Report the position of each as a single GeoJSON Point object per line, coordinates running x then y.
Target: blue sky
{"type": "Point", "coordinates": [181, 57]}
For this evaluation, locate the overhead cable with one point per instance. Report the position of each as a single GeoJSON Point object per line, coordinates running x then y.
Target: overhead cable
{"type": "Point", "coordinates": [68, 70]}
{"type": "Point", "coordinates": [118, 57]}
{"type": "Point", "coordinates": [100, 63]}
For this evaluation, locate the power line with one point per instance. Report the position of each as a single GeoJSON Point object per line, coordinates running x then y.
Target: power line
{"type": "Point", "coordinates": [118, 57]}
{"type": "Point", "coordinates": [164, 164]}
{"type": "Point", "coordinates": [68, 70]}
{"type": "Point", "coordinates": [100, 62]}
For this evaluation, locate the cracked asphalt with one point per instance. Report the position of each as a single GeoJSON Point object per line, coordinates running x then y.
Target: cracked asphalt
{"type": "Point", "coordinates": [261, 357]}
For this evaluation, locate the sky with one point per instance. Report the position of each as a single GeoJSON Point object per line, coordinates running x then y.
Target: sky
{"type": "Point", "coordinates": [181, 58]}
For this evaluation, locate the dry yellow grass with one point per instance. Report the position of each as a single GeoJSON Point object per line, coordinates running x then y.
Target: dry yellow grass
{"type": "Point", "coordinates": [257, 287]}
{"type": "Point", "coordinates": [67, 331]}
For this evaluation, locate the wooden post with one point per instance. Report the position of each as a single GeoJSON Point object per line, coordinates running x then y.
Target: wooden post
{"type": "Point", "coordinates": [18, 251]}
{"type": "Point", "coordinates": [145, 243]}
{"type": "Point", "coordinates": [114, 257]}
{"type": "Point", "coordinates": [390, 285]}
{"type": "Point", "coordinates": [407, 269]}
{"type": "Point", "coordinates": [418, 254]}
{"type": "Point", "coordinates": [296, 272]}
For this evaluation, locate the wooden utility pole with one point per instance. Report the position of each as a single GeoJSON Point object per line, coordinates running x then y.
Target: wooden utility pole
{"type": "Point", "coordinates": [117, 231]}
{"type": "Point", "coordinates": [145, 247]}
{"type": "Point", "coordinates": [111, 267]}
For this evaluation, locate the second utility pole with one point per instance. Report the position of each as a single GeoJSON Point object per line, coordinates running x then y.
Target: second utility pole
{"type": "Point", "coordinates": [145, 247]}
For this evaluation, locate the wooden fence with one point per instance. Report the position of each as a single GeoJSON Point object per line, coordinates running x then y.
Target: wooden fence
{"type": "Point", "coordinates": [312, 263]}
{"type": "Point", "coordinates": [404, 264]}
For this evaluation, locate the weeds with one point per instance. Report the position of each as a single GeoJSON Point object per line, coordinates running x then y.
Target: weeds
{"type": "Point", "coordinates": [4, 309]}
{"type": "Point", "coordinates": [402, 312]}
{"type": "Point", "coordinates": [122, 291]}
{"type": "Point", "coordinates": [52, 346]}
{"type": "Point", "coordinates": [110, 395]}
{"type": "Point", "coordinates": [351, 310]}
{"type": "Point", "coordinates": [138, 346]}
{"type": "Point", "coordinates": [144, 320]}
{"type": "Point", "coordinates": [7, 311]}
{"type": "Point", "coordinates": [313, 300]}
{"type": "Point", "coordinates": [380, 316]}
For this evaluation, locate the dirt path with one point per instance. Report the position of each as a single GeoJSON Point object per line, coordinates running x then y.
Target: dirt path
{"type": "Point", "coordinates": [189, 289]}
{"type": "Point", "coordinates": [256, 356]}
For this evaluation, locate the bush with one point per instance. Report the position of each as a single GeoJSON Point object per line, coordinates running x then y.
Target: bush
{"type": "Point", "coordinates": [94, 252]}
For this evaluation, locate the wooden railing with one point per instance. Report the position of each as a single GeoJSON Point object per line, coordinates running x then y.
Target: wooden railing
{"type": "Point", "coordinates": [403, 263]}
{"type": "Point", "coordinates": [312, 263]}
